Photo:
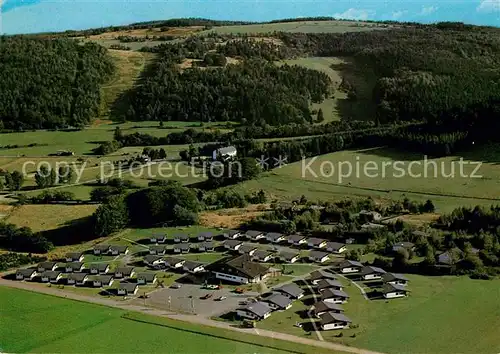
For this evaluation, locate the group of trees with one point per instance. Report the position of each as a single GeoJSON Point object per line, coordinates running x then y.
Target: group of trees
{"type": "Point", "coordinates": [63, 91]}
{"type": "Point", "coordinates": [14, 260]}
{"type": "Point", "coordinates": [48, 177]}
{"type": "Point", "coordinates": [254, 92]}
{"type": "Point", "coordinates": [22, 239]}
{"type": "Point", "coordinates": [12, 181]}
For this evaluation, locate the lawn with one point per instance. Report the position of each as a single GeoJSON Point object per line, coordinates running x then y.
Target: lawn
{"type": "Point", "coordinates": [41, 323]}
{"type": "Point", "coordinates": [442, 315]}
{"type": "Point", "coordinates": [447, 193]}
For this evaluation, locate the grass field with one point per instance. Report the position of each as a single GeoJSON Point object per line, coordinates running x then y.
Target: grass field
{"type": "Point", "coordinates": [300, 26]}
{"type": "Point", "coordinates": [447, 193]}
{"type": "Point", "coordinates": [77, 327]}
{"type": "Point", "coordinates": [442, 315]}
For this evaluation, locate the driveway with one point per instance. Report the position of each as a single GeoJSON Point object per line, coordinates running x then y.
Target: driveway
{"type": "Point", "coordinates": [188, 300]}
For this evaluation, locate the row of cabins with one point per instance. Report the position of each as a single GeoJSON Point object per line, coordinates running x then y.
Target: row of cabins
{"type": "Point", "coordinates": [261, 255]}
{"type": "Point", "coordinates": [279, 300]}
{"type": "Point", "coordinates": [182, 248]}
{"type": "Point", "coordinates": [173, 263]}
{"type": "Point", "coordinates": [181, 238]}
{"type": "Point", "coordinates": [294, 240]}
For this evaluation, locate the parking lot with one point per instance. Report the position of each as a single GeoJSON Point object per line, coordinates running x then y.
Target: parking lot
{"type": "Point", "coordinates": [187, 299]}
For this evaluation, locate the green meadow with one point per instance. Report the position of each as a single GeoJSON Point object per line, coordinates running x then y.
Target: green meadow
{"type": "Point", "coordinates": [77, 327]}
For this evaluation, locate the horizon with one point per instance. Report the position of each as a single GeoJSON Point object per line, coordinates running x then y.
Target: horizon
{"type": "Point", "coordinates": [36, 16]}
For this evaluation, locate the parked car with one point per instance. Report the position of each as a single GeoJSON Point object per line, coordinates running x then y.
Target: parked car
{"type": "Point", "coordinates": [206, 296]}
{"type": "Point", "coordinates": [220, 298]}
{"type": "Point", "coordinates": [175, 286]}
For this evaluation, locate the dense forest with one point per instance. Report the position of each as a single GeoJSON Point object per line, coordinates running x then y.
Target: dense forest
{"type": "Point", "coordinates": [253, 92]}
{"type": "Point", "coordinates": [50, 83]}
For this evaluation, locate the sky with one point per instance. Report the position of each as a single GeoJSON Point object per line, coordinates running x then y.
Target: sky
{"type": "Point", "coordinates": [28, 16]}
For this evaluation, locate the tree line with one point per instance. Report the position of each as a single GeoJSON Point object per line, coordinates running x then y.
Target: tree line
{"type": "Point", "coordinates": [63, 90]}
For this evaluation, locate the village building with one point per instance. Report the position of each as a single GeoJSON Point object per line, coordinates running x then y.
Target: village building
{"type": "Point", "coordinates": [46, 266]}
{"type": "Point", "coordinates": [240, 270]}
{"type": "Point", "coordinates": [395, 279]}
{"type": "Point", "coordinates": [391, 291]}
{"type": "Point", "coordinates": [116, 250]}
{"type": "Point", "coordinates": [193, 267]}
{"type": "Point", "coordinates": [316, 276]}
{"type": "Point", "coordinates": [232, 234]}
{"type": "Point", "coordinates": [124, 272]}
{"type": "Point", "coordinates": [263, 256]}
{"type": "Point", "coordinates": [178, 238]}
{"type": "Point", "coordinates": [77, 278]}
{"type": "Point", "coordinates": [74, 267]}
{"type": "Point", "coordinates": [127, 288]}
{"type": "Point", "coordinates": [408, 246]}
{"type": "Point", "coordinates": [254, 235]}
{"type": "Point", "coordinates": [329, 283]}
{"type": "Point", "coordinates": [289, 256]}
{"type": "Point", "coordinates": [335, 247]}
{"type": "Point", "coordinates": [102, 280]}
{"type": "Point", "coordinates": [291, 290]}
{"type": "Point", "coordinates": [333, 320]}
{"type": "Point", "coordinates": [224, 153]}
{"type": "Point", "coordinates": [74, 257]}
{"type": "Point", "coordinates": [370, 215]}
{"type": "Point", "coordinates": [52, 276]}
{"type": "Point", "coordinates": [314, 242]}
{"type": "Point", "coordinates": [349, 266]}
{"type": "Point", "coordinates": [153, 260]}
{"type": "Point", "coordinates": [255, 311]}
{"type": "Point", "coordinates": [372, 273]}
{"type": "Point", "coordinates": [146, 278]}
{"type": "Point", "coordinates": [26, 274]}
{"type": "Point", "coordinates": [247, 249]}
{"type": "Point", "coordinates": [99, 268]}
{"type": "Point", "coordinates": [157, 249]}
{"type": "Point", "coordinates": [278, 301]}
{"type": "Point", "coordinates": [205, 236]}
{"type": "Point", "coordinates": [173, 262]}
{"type": "Point", "coordinates": [334, 296]}
{"type": "Point", "coordinates": [101, 249]}
{"type": "Point", "coordinates": [158, 238]}
{"type": "Point", "coordinates": [182, 248]}
{"type": "Point", "coordinates": [206, 247]}
{"type": "Point", "coordinates": [322, 307]}
{"type": "Point", "coordinates": [275, 237]}
{"type": "Point", "coordinates": [296, 240]}
{"type": "Point", "coordinates": [319, 256]}
{"type": "Point", "coordinates": [232, 245]}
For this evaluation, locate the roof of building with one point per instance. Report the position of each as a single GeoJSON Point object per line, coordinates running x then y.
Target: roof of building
{"type": "Point", "coordinates": [232, 243]}
{"type": "Point", "coordinates": [349, 263]}
{"type": "Point", "coordinates": [118, 248]}
{"type": "Point", "coordinates": [74, 255]}
{"type": "Point", "coordinates": [318, 254]}
{"type": "Point", "coordinates": [253, 233]}
{"type": "Point", "coordinates": [181, 236]}
{"type": "Point", "coordinates": [78, 276]}
{"type": "Point", "coordinates": [52, 274]}
{"type": "Point", "coordinates": [101, 247]}
{"type": "Point", "coordinates": [261, 254]}
{"type": "Point", "coordinates": [315, 241]}
{"type": "Point", "coordinates": [393, 276]}
{"type": "Point", "coordinates": [323, 306]}
{"type": "Point", "coordinates": [192, 265]}
{"type": "Point", "coordinates": [183, 246]}
{"type": "Point", "coordinates": [128, 286]}
{"type": "Point", "coordinates": [74, 265]}
{"type": "Point", "coordinates": [158, 248]}
{"type": "Point", "coordinates": [448, 257]}
{"type": "Point", "coordinates": [390, 288]}
{"type": "Point", "coordinates": [103, 278]}
{"type": "Point", "coordinates": [102, 266]}
{"type": "Point", "coordinates": [274, 236]}
{"type": "Point", "coordinates": [330, 292]}
{"type": "Point", "coordinates": [403, 244]}
{"type": "Point", "coordinates": [295, 238]}
{"type": "Point", "coordinates": [322, 274]}
{"type": "Point", "coordinates": [246, 248]}
{"type": "Point", "coordinates": [158, 236]}
{"type": "Point", "coordinates": [279, 300]}
{"type": "Point", "coordinates": [226, 150]}
{"type": "Point", "coordinates": [233, 232]}
{"type": "Point", "coordinates": [147, 276]}
{"type": "Point", "coordinates": [242, 264]}
{"type": "Point", "coordinates": [207, 234]}
{"type": "Point", "coordinates": [26, 271]}
{"type": "Point", "coordinates": [331, 317]}
{"type": "Point", "coordinates": [206, 245]}
{"type": "Point", "coordinates": [372, 270]}
{"type": "Point", "coordinates": [259, 308]}
{"type": "Point", "coordinates": [329, 283]}
{"type": "Point", "coordinates": [291, 289]}
{"type": "Point", "coordinates": [47, 265]}
{"type": "Point", "coordinates": [173, 260]}
{"type": "Point", "coordinates": [125, 270]}
{"type": "Point", "coordinates": [288, 255]}
{"type": "Point", "coordinates": [150, 258]}
{"type": "Point", "coordinates": [335, 245]}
